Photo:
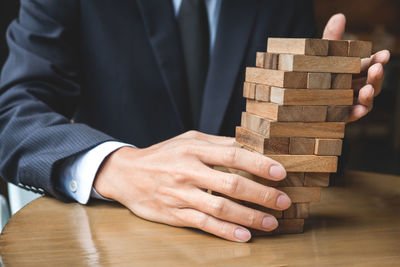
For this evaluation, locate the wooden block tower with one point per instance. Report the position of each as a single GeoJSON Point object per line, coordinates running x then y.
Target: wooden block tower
{"type": "Point", "coordinates": [297, 102]}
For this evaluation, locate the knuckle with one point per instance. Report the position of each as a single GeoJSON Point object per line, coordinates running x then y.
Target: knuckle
{"type": "Point", "coordinates": [217, 206]}
{"type": "Point", "coordinates": [231, 184]}
{"type": "Point", "coordinates": [231, 155]}
{"type": "Point", "coordinates": [201, 221]}
{"type": "Point", "coordinates": [224, 229]}
{"type": "Point", "coordinates": [192, 134]}
{"type": "Point", "coordinates": [252, 218]}
{"type": "Point", "coordinates": [262, 165]}
{"type": "Point", "coordinates": [180, 177]}
{"type": "Point", "coordinates": [266, 196]}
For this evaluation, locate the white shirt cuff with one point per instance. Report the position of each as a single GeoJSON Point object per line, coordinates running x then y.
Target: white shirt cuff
{"type": "Point", "coordinates": [78, 173]}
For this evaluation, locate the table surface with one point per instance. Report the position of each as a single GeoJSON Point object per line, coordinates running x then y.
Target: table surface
{"type": "Point", "coordinates": [355, 224]}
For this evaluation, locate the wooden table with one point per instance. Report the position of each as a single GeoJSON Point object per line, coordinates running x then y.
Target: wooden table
{"type": "Point", "coordinates": [357, 224]}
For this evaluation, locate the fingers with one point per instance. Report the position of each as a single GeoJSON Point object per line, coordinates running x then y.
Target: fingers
{"type": "Point", "coordinates": [212, 225]}
{"type": "Point", "coordinates": [241, 159]}
{"type": "Point", "coordinates": [375, 77]}
{"type": "Point", "coordinates": [335, 27]}
{"type": "Point", "coordinates": [228, 210]}
{"type": "Point", "coordinates": [365, 103]}
{"type": "Point", "coordinates": [382, 57]}
{"type": "Point", "coordinates": [219, 140]}
{"type": "Point", "coordinates": [241, 188]}
{"type": "Point", "coordinates": [357, 112]}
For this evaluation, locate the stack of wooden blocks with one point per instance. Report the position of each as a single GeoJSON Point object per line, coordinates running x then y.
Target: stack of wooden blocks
{"type": "Point", "coordinates": [298, 100]}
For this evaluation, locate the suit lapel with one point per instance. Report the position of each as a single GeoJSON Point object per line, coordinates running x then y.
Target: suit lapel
{"type": "Point", "coordinates": [234, 29]}
{"type": "Point", "coordinates": [159, 20]}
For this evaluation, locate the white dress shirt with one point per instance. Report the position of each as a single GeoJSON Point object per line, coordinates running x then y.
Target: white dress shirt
{"type": "Point", "coordinates": [78, 173]}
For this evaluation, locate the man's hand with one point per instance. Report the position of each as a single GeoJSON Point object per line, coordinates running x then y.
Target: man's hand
{"type": "Point", "coordinates": [368, 83]}
{"type": "Point", "coordinates": [166, 183]}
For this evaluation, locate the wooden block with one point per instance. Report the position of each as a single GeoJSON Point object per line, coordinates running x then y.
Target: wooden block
{"type": "Point", "coordinates": [250, 176]}
{"type": "Point", "coordinates": [307, 163]}
{"type": "Point", "coordinates": [301, 146]}
{"type": "Point", "coordinates": [312, 47]}
{"type": "Point", "coordinates": [260, 59]}
{"type": "Point", "coordinates": [260, 144]}
{"type": "Point", "coordinates": [276, 213]}
{"type": "Point", "coordinates": [276, 112]}
{"type": "Point", "coordinates": [297, 211]}
{"type": "Point", "coordinates": [319, 64]}
{"type": "Point", "coordinates": [302, 194]}
{"type": "Point", "coordinates": [338, 113]}
{"type": "Point", "coordinates": [269, 128]}
{"type": "Point", "coordinates": [328, 147]}
{"type": "Point", "coordinates": [271, 61]}
{"type": "Point", "coordinates": [313, 97]}
{"type": "Point", "coordinates": [263, 92]}
{"type": "Point", "coordinates": [338, 48]}
{"type": "Point", "coordinates": [276, 78]}
{"type": "Point", "coordinates": [286, 226]}
{"type": "Point", "coordinates": [293, 179]}
{"type": "Point", "coordinates": [313, 113]}
{"type": "Point", "coordinates": [360, 49]}
{"type": "Point", "coordinates": [318, 80]}
{"type": "Point", "coordinates": [316, 179]}
{"type": "Point", "coordinates": [249, 90]}
{"type": "Point", "coordinates": [342, 81]}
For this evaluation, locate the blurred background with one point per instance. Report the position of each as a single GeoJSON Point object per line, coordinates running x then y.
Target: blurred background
{"type": "Point", "coordinates": [373, 143]}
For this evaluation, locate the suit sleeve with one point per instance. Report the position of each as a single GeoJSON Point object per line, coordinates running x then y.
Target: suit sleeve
{"type": "Point", "coordinates": [39, 90]}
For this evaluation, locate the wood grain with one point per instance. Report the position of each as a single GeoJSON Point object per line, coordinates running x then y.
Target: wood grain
{"type": "Point", "coordinates": [263, 92]}
{"type": "Point", "coordinates": [313, 97]}
{"type": "Point", "coordinates": [312, 47]}
{"type": "Point", "coordinates": [260, 60]}
{"type": "Point", "coordinates": [302, 194]}
{"type": "Point", "coordinates": [307, 163]}
{"type": "Point", "coordinates": [249, 90]}
{"type": "Point", "coordinates": [301, 146]}
{"type": "Point", "coordinates": [315, 179]}
{"type": "Point", "coordinates": [338, 113]}
{"type": "Point", "coordinates": [257, 142]}
{"type": "Point", "coordinates": [328, 147]}
{"type": "Point", "coordinates": [360, 49]}
{"type": "Point", "coordinates": [339, 48]}
{"type": "Point", "coordinates": [271, 61]}
{"type": "Point", "coordinates": [319, 64]}
{"type": "Point", "coordinates": [292, 129]}
{"type": "Point", "coordinates": [342, 81]}
{"type": "Point", "coordinates": [277, 78]}
{"type": "Point", "coordinates": [293, 179]}
{"type": "Point", "coordinates": [276, 112]}
{"type": "Point", "coordinates": [48, 232]}
{"type": "Point", "coordinates": [314, 113]}
{"type": "Point", "coordinates": [318, 80]}
{"type": "Point", "coordinates": [297, 211]}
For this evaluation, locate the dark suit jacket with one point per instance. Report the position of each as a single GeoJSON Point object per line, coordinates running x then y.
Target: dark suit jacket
{"type": "Point", "coordinates": [116, 68]}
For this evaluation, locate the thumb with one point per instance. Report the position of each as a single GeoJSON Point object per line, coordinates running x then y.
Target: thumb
{"type": "Point", "coordinates": [335, 27]}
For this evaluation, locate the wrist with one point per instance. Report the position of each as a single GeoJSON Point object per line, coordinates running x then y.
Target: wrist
{"type": "Point", "coordinates": [108, 178]}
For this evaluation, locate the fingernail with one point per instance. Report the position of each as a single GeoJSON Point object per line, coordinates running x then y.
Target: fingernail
{"type": "Point", "coordinates": [277, 172]}
{"type": "Point", "coordinates": [242, 235]}
{"type": "Point", "coordinates": [283, 202]}
{"type": "Point", "coordinates": [269, 223]}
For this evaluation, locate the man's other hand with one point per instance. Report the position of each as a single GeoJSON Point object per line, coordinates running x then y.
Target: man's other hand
{"type": "Point", "coordinates": [368, 83]}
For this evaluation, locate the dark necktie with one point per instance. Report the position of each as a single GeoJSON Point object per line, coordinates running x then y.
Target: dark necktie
{"type": "Point", "coordinates": [195, 36]}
